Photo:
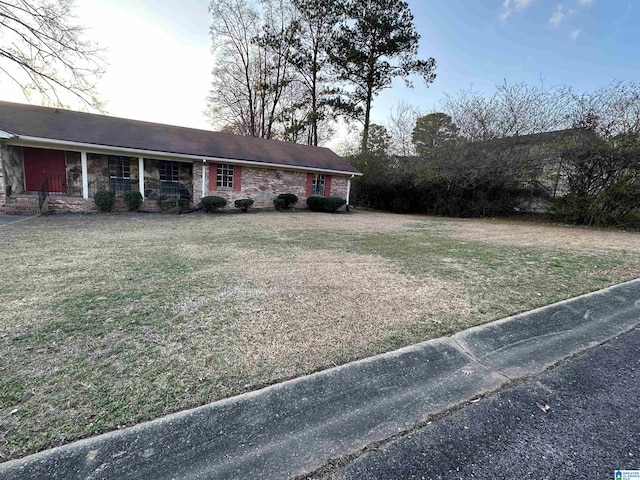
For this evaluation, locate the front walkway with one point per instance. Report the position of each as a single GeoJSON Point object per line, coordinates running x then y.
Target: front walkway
{"type": "Point", "coordinates": [8, 219]}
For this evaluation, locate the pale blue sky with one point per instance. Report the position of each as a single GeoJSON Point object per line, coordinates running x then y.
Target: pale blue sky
{"type": "Point", "coordinates": [160, 60]}
{"type": "Point", "coordinates": [582, 43]}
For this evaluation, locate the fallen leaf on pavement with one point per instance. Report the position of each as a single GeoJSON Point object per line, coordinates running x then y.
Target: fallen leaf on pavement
{"type": "Point", "coordinates": [545, 408]}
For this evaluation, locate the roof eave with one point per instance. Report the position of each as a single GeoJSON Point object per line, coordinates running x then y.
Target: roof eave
{"type": "Point", "coordinates": [6, 135]}
{"type": "Point", "coordinates": [25, 140]}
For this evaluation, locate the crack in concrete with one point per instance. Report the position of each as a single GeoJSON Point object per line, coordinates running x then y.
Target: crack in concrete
{"type": "Point", "coordinates": [480, 362]}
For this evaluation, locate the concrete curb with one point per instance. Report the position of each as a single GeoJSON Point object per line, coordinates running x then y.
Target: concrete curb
{"type": "Point", "coordinates": [297, 426]}
{"type": "Point", "coordinates": [529, 343]}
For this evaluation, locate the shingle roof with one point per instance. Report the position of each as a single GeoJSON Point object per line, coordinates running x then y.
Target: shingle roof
{"type": "Point", "coordinates": [71, 126]}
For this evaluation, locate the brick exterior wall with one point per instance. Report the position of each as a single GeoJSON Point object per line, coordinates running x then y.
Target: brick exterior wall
{"type": "Point", "coordinates": [264, 184]}
{"type": "Point", "coordinates": [22, 205]}
{"type": "Point", "coordinates": [339, 186]}
{"type": "Point", "coordinates": [60, 204]}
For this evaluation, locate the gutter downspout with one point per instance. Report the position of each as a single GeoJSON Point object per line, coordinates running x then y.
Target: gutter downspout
{"type": "Point", "coordinates": [348, 191]}
{"type": "Point", "coordinates": [141, 176]}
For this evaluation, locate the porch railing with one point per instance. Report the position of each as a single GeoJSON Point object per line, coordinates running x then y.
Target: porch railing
{"type": "Point", "coordinates": [119, 186]}
{"type": "Point", "coordinates": [59, 185]}
{"type": "Point", "coordinates": [43, 193]}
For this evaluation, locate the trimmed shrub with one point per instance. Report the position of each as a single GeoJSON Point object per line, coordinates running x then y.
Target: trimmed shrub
{"type": "Point", "coordinates": [212, 203]}
{"type": "Point", "coordinates": [279, 203]}
{"type": "Point", "coordinates": [172, 204]}
{"type": "Point", "coordinates": [322, 204]}
{"type": "Point", "coordinates": [317, 204]}
{"type": "Point", "coordinates": [288, 198]}
{"type": "Point", "coordinates": [165, 203]}
{"type": "Point", "coordinates": [104, 200]}
{"type": "Point", "coordinates": [334, 203]}
{"type": "Point", "coordinates": [243, 204]}
{"type": "Point", "coordinates": [133, 200]}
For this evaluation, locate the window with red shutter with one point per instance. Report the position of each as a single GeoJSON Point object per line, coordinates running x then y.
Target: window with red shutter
{"type": "Point", "coordinates": [318, 185]}
{"type": "Point", "coordinates": [309, 184]}
{"type": "Point", "coordinates": [213, 170]}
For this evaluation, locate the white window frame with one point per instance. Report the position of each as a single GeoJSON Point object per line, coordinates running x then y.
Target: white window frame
{"type": "Point", "coordinates": [224, 175]}
{"type": "Point", "coordinates": [318, 185]}
{"type": "Point", "coordinates": [121, 167]}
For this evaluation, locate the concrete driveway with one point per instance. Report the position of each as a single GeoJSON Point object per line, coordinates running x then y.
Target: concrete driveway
{"type": "Point", "coordinates": [8, 219]}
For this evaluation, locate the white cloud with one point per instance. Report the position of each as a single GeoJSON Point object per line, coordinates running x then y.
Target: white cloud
{"type": "Point", "coordinates": [517, 4]}
{"type": "Point", "coordinates": [575, 34]}
{"type": "Point", "coordinates": [586, 3]}
{"type": "Point", "coordinates": [511, 6]}
{"type": "Point", "coordinates": [558, 17]}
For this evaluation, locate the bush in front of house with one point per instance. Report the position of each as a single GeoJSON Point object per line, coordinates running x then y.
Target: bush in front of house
{"type": "Point", "coordinates": [133, 200]}
{"type": "Point", "coordinates": [172, 204]}
{"type": "Point", "coordinates": [104, 200]}
{"type": "Point", "coordinates": [243, 204]}
{"type": "Point", "coordinates": [165, 203]}
{"type": "Point", "coordinates": [335, 203]}
{"type": "Point", "coordinates": [212, 203]}
{"type": "Point", "coordinates": [322, 204]}
{"type": "Point", "coordinates": [285, 201]}
{"type": "Point", "coordinates": [316, 203]}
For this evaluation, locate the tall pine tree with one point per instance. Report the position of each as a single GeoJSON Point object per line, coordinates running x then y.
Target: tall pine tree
{"type": "Point", "coordinates": [376, 43]}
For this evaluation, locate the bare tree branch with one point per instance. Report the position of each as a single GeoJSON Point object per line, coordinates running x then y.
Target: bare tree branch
{"type": "Point", "coordinates": [43, 51]}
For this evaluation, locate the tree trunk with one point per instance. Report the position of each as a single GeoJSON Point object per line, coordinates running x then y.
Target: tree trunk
{"type": "Point", "coordinates": [314, 97]}
{"type": "Point", "coordinates": [367, 120]}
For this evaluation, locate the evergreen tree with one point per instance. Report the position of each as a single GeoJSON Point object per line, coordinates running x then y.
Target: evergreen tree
{"type": "Point", "coordinates": [376, 43]}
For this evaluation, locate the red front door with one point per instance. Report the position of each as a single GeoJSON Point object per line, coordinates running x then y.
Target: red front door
{"type": "Point", "coordinates": [39, 164]}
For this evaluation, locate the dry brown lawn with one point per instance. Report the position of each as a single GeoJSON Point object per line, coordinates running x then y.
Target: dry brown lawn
{"type": "Point", "coordinates": [522, 234]}
{"type": "Point", "coordinates": [109, 320]}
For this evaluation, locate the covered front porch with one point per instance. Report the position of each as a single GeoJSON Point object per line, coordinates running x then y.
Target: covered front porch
{"type": "Point", "coordinates": [55, 173]}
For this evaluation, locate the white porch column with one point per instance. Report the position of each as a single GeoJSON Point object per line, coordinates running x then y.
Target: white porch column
{"type": "Point", "coordinates": [85, 175]}
{"type": "Point", "coordinates": [348, 190]}
{"type": "Point", "coordinates": [204, 165]}
{"type": "Point", "coordinates": [141, 175]}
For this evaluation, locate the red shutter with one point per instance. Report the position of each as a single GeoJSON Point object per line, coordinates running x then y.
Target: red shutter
{"type": "Point", "coordinates": [309, 184]}
{"type": "Point", "coordinates": [327, 185]}
{"type": "Point", "coordinates": [237, 178]}
{"type": "Point", "coordinates": [213, 176]}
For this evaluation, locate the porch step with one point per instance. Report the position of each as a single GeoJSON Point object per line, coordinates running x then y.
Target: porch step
{"type": "Point", "coordinates": [21, 205]}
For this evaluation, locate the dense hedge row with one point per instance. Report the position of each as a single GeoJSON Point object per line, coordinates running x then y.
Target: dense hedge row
{"type": "Point", "coordinates": [325, 204]}
{"type": "Point", "coordinates": [587, 180]}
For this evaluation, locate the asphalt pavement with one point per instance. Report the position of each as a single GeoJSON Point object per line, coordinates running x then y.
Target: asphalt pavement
{"type": "Point", "coordinates": [580, 420]}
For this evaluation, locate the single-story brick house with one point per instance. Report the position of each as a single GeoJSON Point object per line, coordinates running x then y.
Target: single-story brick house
{"type": "Point", "coordinates": [71, 155]}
